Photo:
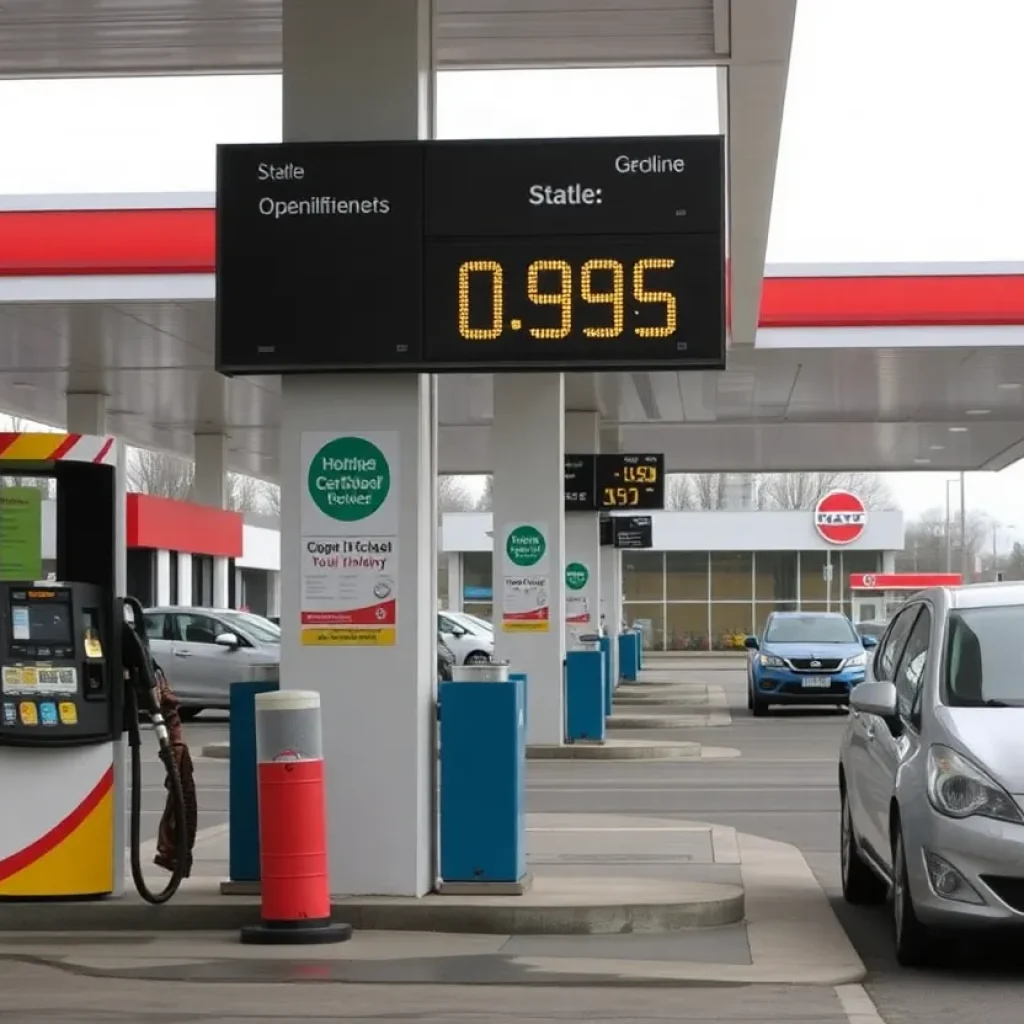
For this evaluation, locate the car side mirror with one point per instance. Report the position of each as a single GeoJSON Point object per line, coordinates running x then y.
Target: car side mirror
{"type": "Point", "coordinates": [228, 640]}
{"type": "Point", "coordinates": [874, 698]}
{"type": "Point", "coordinates": [751, 643]}
{"type": "Point", "coordinates": [869, 642]}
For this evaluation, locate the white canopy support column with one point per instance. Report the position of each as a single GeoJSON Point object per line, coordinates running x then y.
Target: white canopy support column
{"type": "Point", "coordinates": [211, 487]}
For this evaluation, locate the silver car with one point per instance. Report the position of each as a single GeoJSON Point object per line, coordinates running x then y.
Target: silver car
{"type": "Point", "coordinates": [931, 772]}
{"type": "Point", "coordinates": [205, 650]}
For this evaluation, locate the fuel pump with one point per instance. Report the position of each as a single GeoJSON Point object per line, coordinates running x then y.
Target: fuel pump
{"type": "Point", "coordinates": [75, 673]}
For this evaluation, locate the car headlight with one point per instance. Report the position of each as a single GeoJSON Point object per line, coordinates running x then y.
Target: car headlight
{"type": "Point", "coordinates": [771, 661]}
{"type": "Point", "coordinates": [856, 661]}
{"type": "Point", "coordinates": [960, 789]}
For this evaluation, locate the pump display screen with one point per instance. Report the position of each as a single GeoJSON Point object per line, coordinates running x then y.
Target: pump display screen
{"type": "Point", "coordinates": [40, 618]}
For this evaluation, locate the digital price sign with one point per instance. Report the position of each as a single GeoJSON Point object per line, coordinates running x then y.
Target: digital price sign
{"type": "Point", "coordinates": [593, 254]}
{"type": "Point", "coordinates": [633, 532]}
{"type": "Point", "coordinates": [631, 481]}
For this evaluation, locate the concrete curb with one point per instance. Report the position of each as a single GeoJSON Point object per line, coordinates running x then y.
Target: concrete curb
{"type": "Point", "coordinates": [219, 751]}
{"type": "Point", "coordinates": [553, 906]}
{"type": "Point", "coordinates": [682, 699]}
{"type": "Point", "coordinates": [616, 750]}
{"type": "Point", "coordinates": [695, 721]}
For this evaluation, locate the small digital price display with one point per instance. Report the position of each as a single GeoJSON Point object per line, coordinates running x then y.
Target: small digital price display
{"type": "Point", "coordinates": [633, 532]}
{"type": "Point", "coordinates": [580, 474]}
{"type": "Point", "coordinates": [631, 481]}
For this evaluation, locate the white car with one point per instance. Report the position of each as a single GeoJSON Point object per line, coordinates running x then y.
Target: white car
{"type": "Point", "coordinates": [470, 639]}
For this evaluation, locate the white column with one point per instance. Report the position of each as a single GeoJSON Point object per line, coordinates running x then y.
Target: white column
{"type": "Point", "coordinates": [211, 488]}
{"type": "Point", "coordinates": [611, 567]}
{"type": "Point", "coordinates": [163, 577]}
{"type": "Point", "coordinates": [363, 72]}
{"type": "Point", "coordinates": [455, 591]}
{"type": "Point", "coordinates": [86, 413]}
{"type": "Point", "coordinates": [528, 455]}
{"type": "Point", "coordinates": [184, 576]}
{"type": "Point", "coordinates": [582, 540]}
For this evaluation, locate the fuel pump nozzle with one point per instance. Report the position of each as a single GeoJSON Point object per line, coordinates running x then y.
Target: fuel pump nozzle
{"type": "Point", "coordinates": [142, 693]}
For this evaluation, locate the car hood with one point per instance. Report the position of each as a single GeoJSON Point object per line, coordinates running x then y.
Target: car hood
{"type": "Point", "coordinates": [813, 650]}
{"type": "Point", "coordinates": [991, 737]}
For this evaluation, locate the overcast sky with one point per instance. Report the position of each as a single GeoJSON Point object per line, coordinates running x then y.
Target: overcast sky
{"type": "Point", "coordinates": [896, 143]}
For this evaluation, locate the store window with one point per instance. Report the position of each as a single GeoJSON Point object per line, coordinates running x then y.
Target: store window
{"type": "Point", "coordinates": [477, 583]}
{"type": "Point", "coordinates": [649, 618]}
{"type": "Point", "coordinates": [775, 574]}
{"type": "Point", "coordinates": [686, 575]}
{"type": "Point", "coordinates": [730, 625]}
{"type": "Point", "coordinates": [812, 576]}
{"type": "Point", "coordinates": [643, 575]}
{"type": "Point", "coordinates": [484, 610]}
{"type": "Point", "coordinates": [764, 608]}
{"type": "Point", "coordinates": [857, 562]}
{"type": "Point", "coordinates": [686, 626]}
{"type": "Point", "coordinates": [442, 579]}
{"type": "Point", "coordinates": [732, 576]}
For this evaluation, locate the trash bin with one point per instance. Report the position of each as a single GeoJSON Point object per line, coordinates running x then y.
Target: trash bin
{"type": "Point", "coordinates": [487, 672]}
{"type": "Point", "coordinates": [584, 695]}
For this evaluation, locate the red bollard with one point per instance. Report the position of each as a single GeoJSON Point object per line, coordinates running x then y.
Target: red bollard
{"type": "Point", "coordinates": [296, 899]}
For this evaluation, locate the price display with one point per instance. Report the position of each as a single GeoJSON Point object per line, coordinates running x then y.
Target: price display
{"type": "Point", "coordinates": [585, 254]}
{"type": "Point", "coordinates": [631, 481]}
{"type": "Point", "coordinates": [633, 532]}
{"type": "Point", "coordinates": [580, 474]}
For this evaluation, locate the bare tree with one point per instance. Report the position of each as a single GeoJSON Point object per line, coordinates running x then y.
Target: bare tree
{"type": "Point", "coordinates": [485, 502]}
{"type": "Point", "coordinates": [805, 490]}
{"type": "Point", "coordinates": [166, 476]}
{"type": "Point", "coordinates": [925, 542]}
{"type": "Point", "coordinates": [245, 493]}
{"type": "Point", "coordinates": [704, 491]}
{"type": "Point", "coordinates": [272, 497]}
{"type": "Point", "coordinates": [678, 493]}
{"type": "Point", "coordinates": [453, 495]}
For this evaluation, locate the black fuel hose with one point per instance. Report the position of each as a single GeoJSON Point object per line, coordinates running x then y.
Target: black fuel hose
{"type": "Point", "coordinates": [141, 695]}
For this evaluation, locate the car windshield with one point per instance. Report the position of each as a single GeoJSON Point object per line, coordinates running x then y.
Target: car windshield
{"type": "Point", "coordinates": [810, 629]}
{"type": "Point", "coordinates": [473, 624]}
{"type": "Point", "coordinates": [984, 664]}
{"type": "Point", "coordinates": [256, 626]}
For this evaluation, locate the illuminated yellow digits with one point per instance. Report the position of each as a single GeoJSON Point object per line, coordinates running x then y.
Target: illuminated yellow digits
{"type": "Point", "coordinates": [563, 297]}
{"type": "Point", "coordinates": [616, 297]}
{"type": "Point", "coordinates": [641, 294]}
{"type": "Point", "coordinates": [497, 299]}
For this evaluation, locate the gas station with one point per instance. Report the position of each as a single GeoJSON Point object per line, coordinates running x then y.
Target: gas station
{"type": "Point", "coordinates": [353, 382]}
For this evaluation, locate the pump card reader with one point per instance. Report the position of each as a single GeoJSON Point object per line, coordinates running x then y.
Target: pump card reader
{"type": "Point", "coordinates": [58, 677]}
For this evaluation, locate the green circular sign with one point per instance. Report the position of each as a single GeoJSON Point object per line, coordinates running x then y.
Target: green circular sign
{"type": "Point", "coordinates": [525, 546]}
{"type": "Point", "coordinates": [576, 575]}
{"type": "Point", "coordinates": [349, 479]}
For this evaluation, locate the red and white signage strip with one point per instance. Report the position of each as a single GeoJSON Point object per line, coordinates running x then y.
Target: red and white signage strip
{"type": "Point", "coordinates": [903, 580]}
{"type": "Point", "coordinates": [840, 517]}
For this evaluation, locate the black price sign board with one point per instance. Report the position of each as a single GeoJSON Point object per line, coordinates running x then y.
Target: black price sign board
{"type": "Point", "coordinates": [589, 254]}
{"type": "Point", "coordinates": [631, 481]}
{"type": "Point", "coordinates": [633, 531]}
{"type": "Point", "coordinates": [580, 474]}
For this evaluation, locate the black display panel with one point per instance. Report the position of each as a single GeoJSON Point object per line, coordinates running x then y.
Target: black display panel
{"type": "Point", "coordinates": [631, 481]}
{"type": "Point", "coordinates": [319, 257]}
{"type": "Point", "coordinates": [597, 254]}
{"type": "Point", "coordinates": [633, 532]}
{"type": "Point", "coordinates": [45, 621]}
{"type": "Point", "coordinates": [580, 474]}
{"type": "Point", "coordinates": [606, 531]}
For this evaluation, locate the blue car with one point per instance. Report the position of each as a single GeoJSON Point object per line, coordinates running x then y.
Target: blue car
{"type": "Point", "coordinates": [805, 658]}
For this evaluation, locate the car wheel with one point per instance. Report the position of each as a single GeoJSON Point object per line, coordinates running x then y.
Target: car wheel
{"type": "Point", "coordinates": [478, 658]}
{"type": "Point", "coordinates": [861, 886]}
{"type": "Point", "coordinates": [913, 940]}
{"type": "Point", "coordinates": [750, 695]}
{"type": "Point", "coordinates": [759, 707]}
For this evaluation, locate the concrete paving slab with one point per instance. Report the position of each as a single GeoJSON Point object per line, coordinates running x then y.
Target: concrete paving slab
{"type": "Point", "coordinates": [613, 749]}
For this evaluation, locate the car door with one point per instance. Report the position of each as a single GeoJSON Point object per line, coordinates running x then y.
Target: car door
{"type": "Point", "coordinates": [887, 752]}
{"type": "Point", "coordinates": [866, 790]}
{"type": "Point", "coordinates": [452, 634]}
{"type": "Point", "coordinates": [198, 662]}
{"type": "Point", "coordinates": [159, 634]}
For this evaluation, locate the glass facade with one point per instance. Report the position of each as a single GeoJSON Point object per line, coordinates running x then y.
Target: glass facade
{"type": "Point", "coordinates": [713, 600]}
{"type": "Point", "coordinates": [705, 600]}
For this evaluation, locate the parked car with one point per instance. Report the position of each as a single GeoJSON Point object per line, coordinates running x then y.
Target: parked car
{"type": "Point", "coordinates": [931, 771]}
{"type": "Point", "coordinates": [470, 642]}
{"type": "Point", "coordinates": [445, 660]}
{"type": "Point", "coordinates": [205, 650]}
{"type": "Point", "coordinates": [805, 658]}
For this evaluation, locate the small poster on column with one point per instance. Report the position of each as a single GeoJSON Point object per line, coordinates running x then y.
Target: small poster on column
{"type": "Point", "coordinates": [525, 600]}
{"type": "Point", "coordinates": [349, 553]}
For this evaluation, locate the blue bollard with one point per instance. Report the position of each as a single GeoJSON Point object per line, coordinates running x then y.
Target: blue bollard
{"type": "Point", "coordinates": [609, 689]}
{"type": "Point", "coordinates": [628, 667]}
{"type": "Point", "coordinates": [483, 782]}
{"type": "Point", "coordinates": [584, 696]}
{"type": "Point", "coordinates": [243, 803]}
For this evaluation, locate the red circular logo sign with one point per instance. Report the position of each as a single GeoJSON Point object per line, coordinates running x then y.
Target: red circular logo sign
{"type": "Point", "coordinates": [840, 517]}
